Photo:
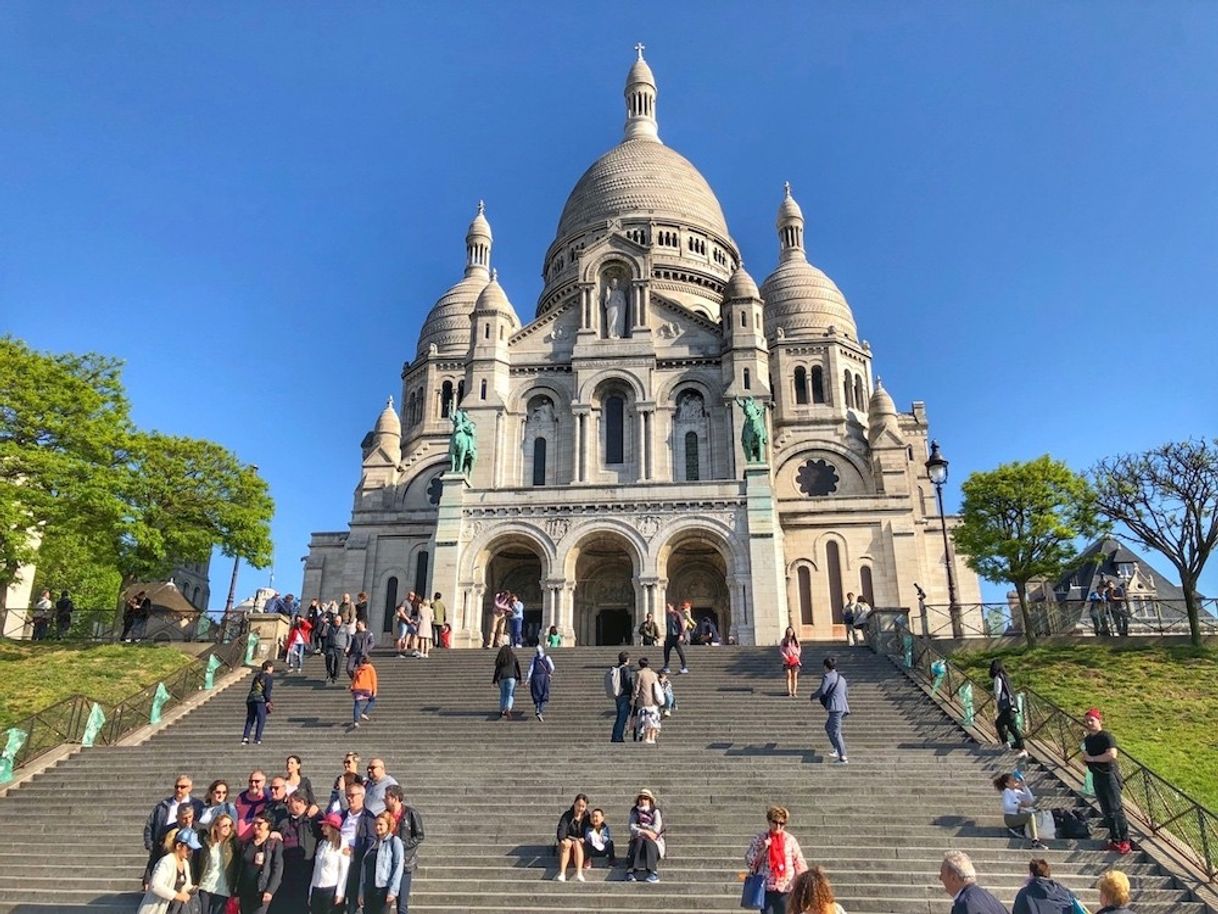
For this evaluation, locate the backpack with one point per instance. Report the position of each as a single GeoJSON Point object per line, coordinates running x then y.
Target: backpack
{"type": "Point", "coordinates": [613, 682]}
{"type": "Point", "coordinates": [1071, 823]}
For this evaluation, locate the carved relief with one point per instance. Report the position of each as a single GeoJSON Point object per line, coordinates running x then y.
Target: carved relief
{"type": "Point", "coordinates": [557, 527]}
{"type": "Point", "coordinates": [648, 525]}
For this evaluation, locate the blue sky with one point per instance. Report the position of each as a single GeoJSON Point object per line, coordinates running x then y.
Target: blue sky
{"type": "Point", "coordinates": [255, 204]}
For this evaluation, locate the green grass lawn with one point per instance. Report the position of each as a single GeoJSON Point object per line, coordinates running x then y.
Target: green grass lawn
{"type": "Point", "coordinates": [34, 676]}
{"type": "Point", "coordinates": [1160, 702]}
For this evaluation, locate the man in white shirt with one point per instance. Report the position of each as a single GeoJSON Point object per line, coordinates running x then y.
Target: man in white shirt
{"type": "Point", "coordinates": [375, 785]}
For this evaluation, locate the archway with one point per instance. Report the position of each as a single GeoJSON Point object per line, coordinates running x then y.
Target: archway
{"type": "Point", "coordinates": [515, 565]}
{"type": "Point", "coordinates": [604, 599]}
{"type": "Point", "coordinates": [697, 572]}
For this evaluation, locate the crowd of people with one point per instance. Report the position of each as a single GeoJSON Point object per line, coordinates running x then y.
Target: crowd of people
{"type": "Point", "coordinates": [267, 822]}
{"type": "Point", "coordinates": [277, 847]}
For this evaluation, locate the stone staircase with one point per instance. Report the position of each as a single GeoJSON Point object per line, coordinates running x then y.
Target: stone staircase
{"type": "Point", "coordinates": [491, 791]}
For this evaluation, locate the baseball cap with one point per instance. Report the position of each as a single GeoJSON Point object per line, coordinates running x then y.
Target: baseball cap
{"type": "Point", "coordinates": [189, 837]}
{"type": "Point", "coordinates": [1093, 712]}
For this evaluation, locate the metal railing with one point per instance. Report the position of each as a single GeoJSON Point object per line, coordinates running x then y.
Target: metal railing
{"type": "Point", "coordinates": [106, 625]}
{"type": "Point", "coordinates": [65, 722]}
{"type": "Point", "coordinates": [1079, 618]}
{"type": "Point", "coordinates": [1162, 808]}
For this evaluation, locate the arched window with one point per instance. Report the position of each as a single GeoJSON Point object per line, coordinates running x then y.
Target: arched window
{"type": "Point", "coordinates": [805, 594]}
{"type": "Point", "coordinates": [460, 391]}
{"type": "Point", "coordinates": [833, 565]}
{"type": "Point", "coordinates": [615, 421]}
{"type": "Point", "coordinates": [486, 331]}
{"type": "Point", "coordinates": [818, 384]}
{"type": "Point", "coordinates": [482, 390]}
{"type": "Point", "coordinates": [744, 317]}
{"type": "Point", "coordinates": [539, 461]}
{"type": "Point", "coordinates": [865, 585]}
{"type": "Point", "coordinates": [801, 386]}
{"type": "Point", "coordinates": [410, 410]}
{"type": "Point", "coordinates": [748, 380]}
{"type": "Point", "coordinates": [446, 399]}
{"type": "Point", "coordinates": [391, 603]}
{"type": "Point", "coordinates": [194, 597]}
{"type": "Point", "coordinates": [418, 405]}
{"type": "Point", "coordinates": [691, 457]}
{"type": "Point", "coordinates": [848, 389]}
{"type": "Point", "coordinates": [858, 392]}
{"type": "Point", "coordinates": [420, 574]}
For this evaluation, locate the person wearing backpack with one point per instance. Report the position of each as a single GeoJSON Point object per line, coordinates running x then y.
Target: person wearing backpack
{"type": "Point", "coordinates": [619, 685]}
{"type": "Point", "coordinates": [832, 696]}
{"type": "Point", "coordinates": [1004, 700]}
{"type": "Point", "coordinates": [258, 703]}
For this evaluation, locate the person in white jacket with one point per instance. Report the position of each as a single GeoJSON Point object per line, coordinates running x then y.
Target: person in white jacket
{"type": "Point", "coordinates": [1018, 807]}
{"type": "Point", "coordinates": [331, 865]}
{"type": "Point", "coordinates": [170, 880]}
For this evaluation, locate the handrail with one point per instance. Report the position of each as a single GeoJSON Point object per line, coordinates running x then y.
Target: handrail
{"type": "Point", "coordinates": [1166, 810]}
{"type": "Point", "coordinates": [65, 721]}
{"type": "Point", "coordinates": [106, 625]}
{"type": "Point", "coordinates": [1078, 618]}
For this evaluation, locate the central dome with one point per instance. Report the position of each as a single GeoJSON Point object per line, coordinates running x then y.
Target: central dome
{"type": "Point", "coordinates": [642, 177]}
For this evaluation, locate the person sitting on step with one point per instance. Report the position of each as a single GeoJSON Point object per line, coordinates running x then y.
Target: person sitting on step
{"type": "Point", "coordinates": [1114, 893]}
{"type": "Point", "coordinates": [598, 839]}
{"type": "Point", "coordinates": [646, 838]}
{"type": "Point", "coordinates": [570, 838]}
{"type": "Point", "coordinates": [670, 700]}
{"type": "Point", "coordinates": [1042, 895]}
{"type": "Point", "coordinates": [1018, 807]}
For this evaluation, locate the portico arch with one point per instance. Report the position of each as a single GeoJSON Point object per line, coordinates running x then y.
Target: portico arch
{"type": "Point", "coordinates": [518, 561]}
{"type": "Point", "coordinates": [604, 566]}
{"type": "Point", "coordinates": [699, 566]}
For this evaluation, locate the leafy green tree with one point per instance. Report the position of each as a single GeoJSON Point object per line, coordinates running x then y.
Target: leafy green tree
{"type": "Point", "coordinates": [82, 566]}
{"type": "Point", "coordinates": [183, 496]}
{"type": "Point", "coordinates": [1167, 498]}
{"type": "Point", "coordinates": [1023, 521]}
{"type": "Point", "coordinates": [107, 497]}
{"type": "Point", "coordinates": [64, 426]}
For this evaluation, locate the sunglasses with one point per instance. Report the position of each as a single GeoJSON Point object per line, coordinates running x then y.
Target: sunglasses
{"type": "Point", "coordinates": [183, 786]}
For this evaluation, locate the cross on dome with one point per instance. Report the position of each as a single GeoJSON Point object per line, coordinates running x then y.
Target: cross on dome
{"type": "Point", "coordinates": [639, 47]}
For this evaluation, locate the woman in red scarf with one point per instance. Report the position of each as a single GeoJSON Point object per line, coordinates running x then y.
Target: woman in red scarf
{"type": "Point", "coordinates": [776, 855]}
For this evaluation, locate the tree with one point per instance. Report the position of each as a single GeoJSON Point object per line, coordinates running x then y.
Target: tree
{"type": "Point", "coordinates": [183, 496]}
{"type": "Point", "coordinates": [1167, 498]}
{"type": "Point", "coordinates": [1022, 521]}
{"type": "Point", "coordinates": [64, 424]}
{"type": "Point", "coordinates": [79, 564]}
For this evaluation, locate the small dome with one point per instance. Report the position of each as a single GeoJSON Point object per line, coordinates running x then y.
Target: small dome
{"type": "Point", "coordinates": [447, 325]}
{"type": "Point", "coordinates": [881, 402]}
{"type": "Point", "coordinates": [741, 285]}
{"type": "Point", "coordinates": [388, 422]}
{"type": "Point", "coordinates": [804, 302]}
{"type": "Point", "coordinates": [881, 414]}
{"type": "Point", "coordinates": [493, 300]}
{"type": "Point", "coordinates": [479, 227]}
{"type": "Point", "coordinates": [640, 72]}
{"type": "Point", "coordinates": [788, 210]}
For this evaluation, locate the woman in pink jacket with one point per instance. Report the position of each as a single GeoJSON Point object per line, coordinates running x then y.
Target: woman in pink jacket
{"type": "Point", "coordinates": [789, 651]}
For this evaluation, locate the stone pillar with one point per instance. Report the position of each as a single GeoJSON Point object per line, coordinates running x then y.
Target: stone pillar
{"type": "Point", "coordinates": [650, 584]}
{"type": "Point", "coordinates": [566, 612]}
{"type": "Point", "coordinates": [446, 543]}
{"type": "Point", "coordinates": [640, 439]}
{"type": "Point", "coordinates": [763, 586]}
{"type": "Point", "coordinates": [582, 416]}
{"type": "Point", "coordinates": [588, 311]}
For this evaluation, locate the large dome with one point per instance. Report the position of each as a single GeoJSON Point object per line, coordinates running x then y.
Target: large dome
{"type": "Point", "coordinates": [642, 177]}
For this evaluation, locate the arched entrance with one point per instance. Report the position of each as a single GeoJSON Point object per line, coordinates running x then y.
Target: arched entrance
{"type": "Point", "coordinates": [604, 599]}
{"type": "Point", "coordinates": [515, 565]}
{"type": "Point", "coordinates": [697, 572]}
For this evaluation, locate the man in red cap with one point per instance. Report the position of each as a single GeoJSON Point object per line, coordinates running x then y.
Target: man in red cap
{"type": "Point", "coordinates": [1100, 754]}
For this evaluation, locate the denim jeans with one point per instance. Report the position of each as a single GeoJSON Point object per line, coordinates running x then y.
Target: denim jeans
{"type": "Point", "coordinates": [296, 654]}
{"type": "Point", "coordinates": [507, 694]}
{"type": "Point", "coordinates": [362, 706]}
{"type": "Point", "coordinates": [833, 727]}
{"type": "Point", "coordinates": [517, 629]}
{"type": "Point", "coordinates": [623, 715]}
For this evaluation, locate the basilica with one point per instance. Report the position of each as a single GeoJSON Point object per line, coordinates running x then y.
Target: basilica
{"type": "Point", "coordinates": [606, 474]}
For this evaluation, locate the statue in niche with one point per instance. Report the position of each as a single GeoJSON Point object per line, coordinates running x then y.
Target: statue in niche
{"type": "Point", "coordinates": [462, 446]}
{"type": "Point", "coordinates": [613, 298]}
{"type": "Point", "coordinates": [689, 409]}
{"type": "Point", "coordinates": [543, 411]}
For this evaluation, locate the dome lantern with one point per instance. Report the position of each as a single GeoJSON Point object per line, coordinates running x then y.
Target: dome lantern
{"type": "Point", "coordinates": [790, 225]}
{"type": "Point", "coordinates": [478, 245]}
{"type": "Point", "coordinates": [641, 123]}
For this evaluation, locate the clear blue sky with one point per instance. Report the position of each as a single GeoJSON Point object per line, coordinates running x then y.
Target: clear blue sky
{"type": "Point", "coordinates": [255, 204]}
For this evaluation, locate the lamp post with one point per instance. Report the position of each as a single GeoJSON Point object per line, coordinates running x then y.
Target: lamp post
{"type": "Point", "coordinates": [936, 469]}
{"type": "Point", "coordinates": [232, 583]}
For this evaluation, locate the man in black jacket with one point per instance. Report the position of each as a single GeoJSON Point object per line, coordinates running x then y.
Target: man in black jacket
{"type": "Point", "coordinates": [626, 681]}
{"type": "Point", "coordinates": [1100, 753]}
{"type": "Point", "coordinates": [359, 834]}
{"type": "Point", "coordinates": [674, 634]}
{"type": "Point", "coordinates": [959, 880]}
{"type": "Point", "coordinates": [299, 834]}
{"type": "Point", "coordinates": [362, 643]}
{"type": "Point", "coordinates": [410, 830]}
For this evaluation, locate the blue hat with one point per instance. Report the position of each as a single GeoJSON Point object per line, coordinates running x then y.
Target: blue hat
{"type": "Point", "coordinates": [189, 837]}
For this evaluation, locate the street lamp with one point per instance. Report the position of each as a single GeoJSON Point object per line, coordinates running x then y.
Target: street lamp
{"type": "Point", "coordinates": [232, 583]}
{"type": "Point", "coordinates": [936, 469]}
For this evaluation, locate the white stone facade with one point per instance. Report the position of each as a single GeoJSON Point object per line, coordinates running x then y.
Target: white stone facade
{"type": "Point", "coordinates": [610, 477]}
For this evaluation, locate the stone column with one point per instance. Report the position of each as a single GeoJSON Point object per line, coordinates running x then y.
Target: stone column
{"type": "Point", "coordinates": [640, 443]}
{"type": "Point", "coordinates": [446, 540]}
{"type": "Point", "coordinates": [566, 612]}
{"type": "Point", "coordinates": [763, 586]}
{"type": "Point", "coordinates": [577, 450]}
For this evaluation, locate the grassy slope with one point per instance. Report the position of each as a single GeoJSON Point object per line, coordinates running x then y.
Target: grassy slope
{"type": "Point", "coordinates": [35, 676]}
{"type": "Point", "coordinates": [1160, 702]}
